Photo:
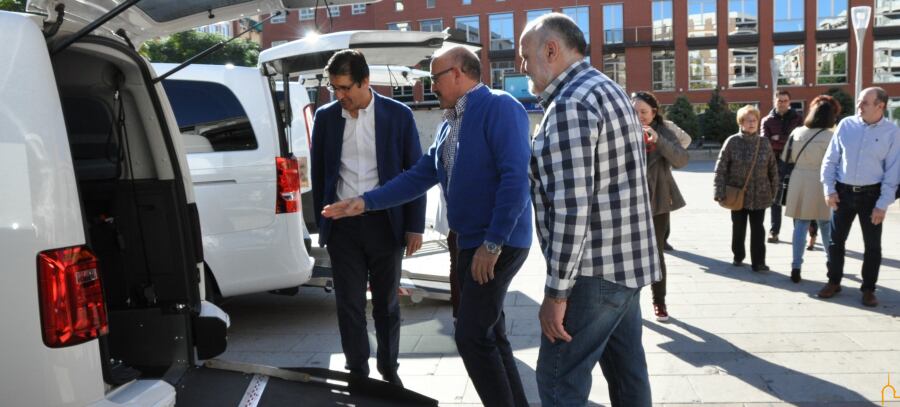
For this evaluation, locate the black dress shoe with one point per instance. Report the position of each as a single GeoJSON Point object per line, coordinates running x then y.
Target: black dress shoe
{"type": "Point", "coordinates": [795, 275]}
{"type": "Point", "coordinates": [393, 379]}
{"type": "Point", "coordinates": [737, 263]}
{"type": "Point", "coordinates": [760, 268]}
{"type": "Point", "coordinates": [667, 247]}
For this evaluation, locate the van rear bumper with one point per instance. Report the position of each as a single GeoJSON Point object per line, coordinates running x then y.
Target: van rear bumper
{"type": "Point", "coordinates": [140, 393]}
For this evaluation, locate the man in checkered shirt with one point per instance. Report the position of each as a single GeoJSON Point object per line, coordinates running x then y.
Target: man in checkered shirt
{"type": "Point", "coordinates": [593, 219]}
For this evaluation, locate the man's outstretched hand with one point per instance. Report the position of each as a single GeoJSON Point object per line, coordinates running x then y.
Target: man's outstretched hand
{"type": "Point", "coordinates": [345, 208]}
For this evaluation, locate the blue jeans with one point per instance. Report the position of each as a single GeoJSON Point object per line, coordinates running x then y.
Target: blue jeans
{"type": "Point", "coordinates": [604, 320]}
{"type": "Point", "coordinates": [801, 226]}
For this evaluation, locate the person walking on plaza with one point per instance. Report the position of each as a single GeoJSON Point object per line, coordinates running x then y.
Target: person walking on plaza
{"type": "Point", "coordinates": [777, 128]}
{"type": "Point", "coordinates": [860, 175]}
{"type": "Point", "coordinates": [359, 141]}
{"type": "Point", "coordinates": [480, 160]}
{"type": "Point", "coordinates": [806, 149]}
{"type": "Point", "coordinates": [664, 151]}
{"type": "Point", "coordinates": [594, 221]}
{"type": "Point", "coordinates": [747, 160]}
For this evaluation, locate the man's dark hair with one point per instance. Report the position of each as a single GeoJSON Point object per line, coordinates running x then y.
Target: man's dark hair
{"type": "Point", "coordinates": [782, 92]}
{"type": "Point", "coordinates": [881, 96]}
{"type": "Point", "coordinates": [563, 26]}
{"type": "Point", "coordinates": [348, 62]}
{"type": "Point", "coordinates": [651, 100]}
{"type": "Point", "coordinates": [469, 64]}
{"type": "Point", "coordinates": [824, 113]}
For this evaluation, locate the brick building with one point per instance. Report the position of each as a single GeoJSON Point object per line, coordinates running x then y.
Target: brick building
{"type": "Point", "coordinates": [671, 47]}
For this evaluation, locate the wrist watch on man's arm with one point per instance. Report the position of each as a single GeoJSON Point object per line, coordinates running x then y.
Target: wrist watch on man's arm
{"type": "Point", "coordinates": [492, 248]}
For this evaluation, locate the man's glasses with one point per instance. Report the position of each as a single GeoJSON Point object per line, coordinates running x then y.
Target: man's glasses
{"type": "Point", "coordinates": [336, 88]}
{"type": "Point", "coordinates": [434, 78]}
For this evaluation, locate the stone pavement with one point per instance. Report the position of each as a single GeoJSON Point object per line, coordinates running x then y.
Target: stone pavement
{"type": "Point", "coordinates": [735, 337]}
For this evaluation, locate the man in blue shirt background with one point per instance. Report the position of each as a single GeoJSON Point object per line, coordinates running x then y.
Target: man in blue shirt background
{"type": "Point", "coordinates": [860, 173]}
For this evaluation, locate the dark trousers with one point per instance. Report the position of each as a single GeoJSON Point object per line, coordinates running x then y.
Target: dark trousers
{"type": "Point", "coordinates": [851, 205]}
{"type": "Point", "coordinates": [757, 235]}
{"type": "Point", "coordinates": [481, 330]}
{"type": "Point", "coordinates": [453, 248]}
{"type": "Point", "coordinates": [776, 207]}
{"type": "Point", "coordinates": [364, 253]}
{"type": "Point", "coordinates": [660, 226]}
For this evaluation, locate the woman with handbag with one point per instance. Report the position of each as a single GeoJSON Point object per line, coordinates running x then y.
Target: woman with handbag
{"type": "Point", "coordinates": [804, 153]}
{"type": "Point", "coordinates": [664, 151]}
{"type": "Point", "coordinates": [746, 183]}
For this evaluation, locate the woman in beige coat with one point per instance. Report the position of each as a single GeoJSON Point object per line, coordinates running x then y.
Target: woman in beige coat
{"type": "Point", "coordinates": [804, 200]}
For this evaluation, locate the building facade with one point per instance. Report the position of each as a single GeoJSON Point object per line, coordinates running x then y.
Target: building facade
{"type": "Point", "coordinates": [671, 47]}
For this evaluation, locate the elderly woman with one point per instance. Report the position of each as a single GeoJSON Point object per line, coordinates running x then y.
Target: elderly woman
{"type": "Point", "coordinates": [807, 146]}
{"type": "Point", "coordinates": [748, 158]}
{"type": "Point", "coordinates": [664, 151]}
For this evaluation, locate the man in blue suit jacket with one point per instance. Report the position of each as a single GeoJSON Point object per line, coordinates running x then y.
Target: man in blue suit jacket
{"type": "Point", "coordinates": [480, 158]}
{"type": "Point", "coordinates": [359, 142]}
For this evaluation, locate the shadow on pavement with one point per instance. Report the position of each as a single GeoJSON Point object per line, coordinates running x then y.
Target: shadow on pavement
{"type": "Point", "coordinates": [777, 381]}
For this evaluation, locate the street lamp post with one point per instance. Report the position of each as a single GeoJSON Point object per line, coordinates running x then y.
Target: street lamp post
{"type": "Point", "coordinates": [860, 17]}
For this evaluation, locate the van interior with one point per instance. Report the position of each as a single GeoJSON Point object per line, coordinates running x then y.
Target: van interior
{"type": "Point", "coordinates": [134, 214]}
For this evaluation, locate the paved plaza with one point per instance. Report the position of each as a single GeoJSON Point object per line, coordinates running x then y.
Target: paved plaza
{"type": "Point", "coordinates": [735, 338]}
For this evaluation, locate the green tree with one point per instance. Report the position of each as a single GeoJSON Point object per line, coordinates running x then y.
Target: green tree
{"type": "Point", "coordinates": [12, 5]}
{"type": "Point", "coordinates": [682, 114]}
{"type": "Point", "coordinates": [846, 101]}
{"type": "Point", "coordinates": [718, 122]}
{"type": "Point", "coordinates": [179, 47]}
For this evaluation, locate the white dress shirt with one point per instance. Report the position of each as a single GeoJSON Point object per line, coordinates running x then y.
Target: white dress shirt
{"type": "Point", "coordinates": [359, 168]}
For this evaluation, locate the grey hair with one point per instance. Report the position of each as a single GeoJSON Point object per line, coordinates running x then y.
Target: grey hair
{"type": "Point", "coordinates": [880, 95]}
{"type": "Point", "coordinates": [563, 27]}
{"type": "Point", "coordinates": [466, 59]}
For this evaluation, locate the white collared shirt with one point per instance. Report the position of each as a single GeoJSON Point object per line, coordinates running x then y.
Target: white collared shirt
{"type": "Point", "coordinates": [359, 168]}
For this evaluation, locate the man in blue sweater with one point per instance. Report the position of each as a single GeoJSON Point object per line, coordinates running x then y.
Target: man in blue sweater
{"type": "Point", "coordinates": [480, 158]}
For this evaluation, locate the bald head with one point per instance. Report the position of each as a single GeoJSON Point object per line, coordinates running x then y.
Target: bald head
{"type": "Point", "coordinates": [461, 57]}
{"type": "Point", "coordinates": [548, 46]}
{"type": "Point", "coordinates": [454, 71]}
{"type": "Point", "coordinates": [559, 27]}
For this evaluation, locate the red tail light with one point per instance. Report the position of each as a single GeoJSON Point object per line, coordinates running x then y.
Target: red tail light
{"type": "Point", "coordinates": [308, 115]}
{"type": "Point", "coordinates": [71, 296]}
{"type": "Point", "coordinates": [288, 175]}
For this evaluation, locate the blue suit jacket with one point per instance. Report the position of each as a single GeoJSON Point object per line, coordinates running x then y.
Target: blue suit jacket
{"type": "Point", "coordinates": [489, 197]}
{"type": "Point", "coordinates": [397, 148]}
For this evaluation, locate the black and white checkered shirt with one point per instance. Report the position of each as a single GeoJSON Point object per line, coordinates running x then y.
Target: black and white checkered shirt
{"type": "Point", "coordinates": [588, 177]}
{"type": "Point", "coordinates": [453, 116]}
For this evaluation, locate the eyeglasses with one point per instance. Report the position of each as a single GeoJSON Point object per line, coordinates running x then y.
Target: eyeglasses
{"type": "Point", "coordinates": [434, 78]}
{"type": "Point", "coordinates": [335, 88]}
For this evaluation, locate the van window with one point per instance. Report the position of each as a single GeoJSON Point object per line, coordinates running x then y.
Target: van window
{"type": "Point", "coordinates": [94, 143]}
{"type": "Point", "coordinates": [209, 116]}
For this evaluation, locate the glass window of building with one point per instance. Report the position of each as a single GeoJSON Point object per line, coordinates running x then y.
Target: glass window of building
{"type": "Point", "coordinates": [498, 70]}
{"type": "Point", "coordinates": [430, 3]}
{"type": "Point", "coordinates": [466, 2]}
{"type": "Point", "coordinates": [532, 15]}
{"type": "Point", "coordinates": [614, 68]}
{"type": "Point", "coordinates": [398, 26]}
{"type": "Point", "coordinates": [612, 24]}
{"type": "Point", "coordinates": [334, 11]}
{"type": "Point", "coordinates": [582, 17]}
{"type": "Point", "coordinates": [887, 62]}
{"type": "Point", "coordinates": [702, 68]}
{"type": "Point", "coordinates": [701, 18]}
{"type": "Point", "coordinates": [831, 63]}
{"type": "Point", "coordinates": [402, 93]}
{"type": "Point", "coordinates": [887, 12]}
{"type": "Point", "coordinates": [501, 27]}
{"type": "Point", "coordinates": [893, 110]}
{"type": "Point", "coordinates": [398, 6]}
{"type": "Point", "coordinates": [280, 19]}
{"type": "Point", "coordinates": [469, 25]}
{"type": "Point", "coordinates": [663, 70]}
{"type": "Point", "coordinates": [789, 59]}
{"type": "Point", "coordinates": [831, 14]}
{"type": "Point", "coordinates": [788, 15]}
{"type": "Point", "coordinates": [279, 42]}
{"type": "Point", "coordinates": [662, 20]}
{"type": "Point", "coordinates": [357, 9]}
{"type": "Point", "coordinates": [434, 25]}
{"type": "Point", "coordinates": [743, 17]}
{"type": "Point", "coordinates": [743, 65]}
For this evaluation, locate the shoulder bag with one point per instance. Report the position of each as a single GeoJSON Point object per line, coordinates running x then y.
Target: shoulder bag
{"type": "Point", "coordinates": [789, 168]}
{"type": "Point", "coordinates": [734, 196]}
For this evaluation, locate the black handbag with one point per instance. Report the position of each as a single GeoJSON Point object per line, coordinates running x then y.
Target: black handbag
{"type": "Point", "coordinates": [788, 167]}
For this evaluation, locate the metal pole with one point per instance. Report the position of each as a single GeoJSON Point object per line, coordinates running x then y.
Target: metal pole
{"type": "Point", "coordinates": [860, 16]}
{"type": "Point", "coordinates": [859, 44]}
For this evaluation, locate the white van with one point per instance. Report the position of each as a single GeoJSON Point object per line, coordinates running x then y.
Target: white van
{"type": "Point", "coordinates": [225, 114]}
{"type": "Point", "coordinates": [99, 233]}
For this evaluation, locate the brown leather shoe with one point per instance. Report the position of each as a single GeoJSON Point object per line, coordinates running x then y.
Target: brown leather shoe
{"type": "Point", "coordinates": [829, 290]}
{"type": "Point", "coordinates": [869, 299]}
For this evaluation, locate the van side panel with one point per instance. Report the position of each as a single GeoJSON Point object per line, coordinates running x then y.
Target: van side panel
{"type": "Point", "coordinates": [39, 210]}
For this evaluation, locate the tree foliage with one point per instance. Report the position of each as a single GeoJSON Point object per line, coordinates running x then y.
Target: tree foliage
{"type": "Point", "coordinates": [848, 107]}
{"type": "Point", "coordinates": [682, 113]}
{"type": "Point", "coordinates": [179, 47]}
{"type": "Point", "coordinates": [718, 122]}
{"type": "Point", "coordinates": [12, 5]}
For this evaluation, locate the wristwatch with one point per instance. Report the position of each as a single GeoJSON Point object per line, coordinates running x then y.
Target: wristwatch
{"type": "Point", "coordinates": [492, 248]}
